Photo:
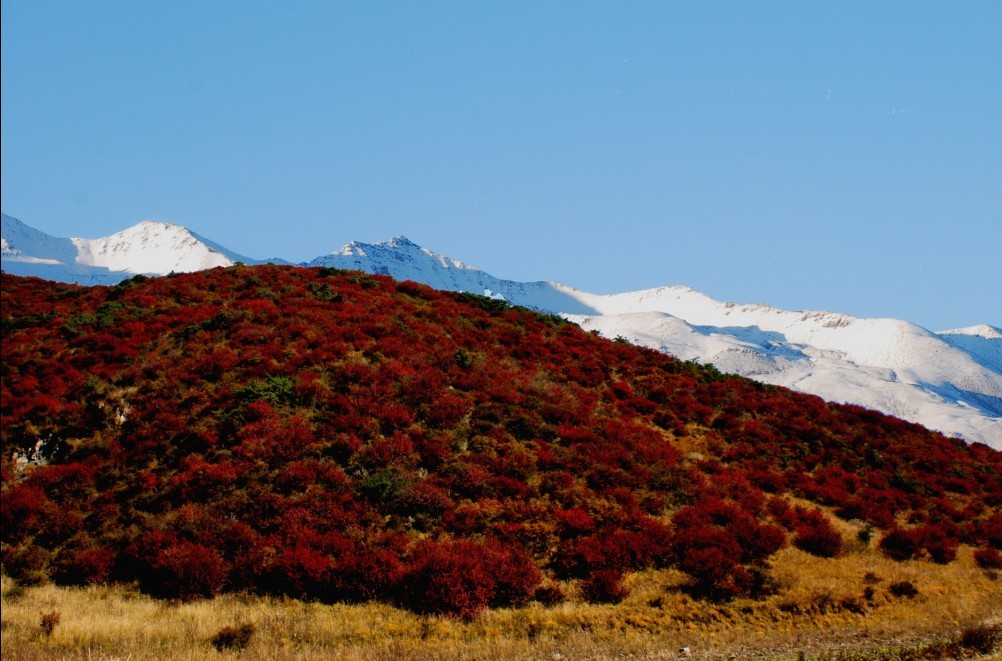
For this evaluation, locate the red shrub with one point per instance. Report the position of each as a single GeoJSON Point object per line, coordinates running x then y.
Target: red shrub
{"type": "Point", "coordinates": [938, 542]}
{"type": "Point", "coordinates": [549, 595]}
{"type": "Point", "coordinates": [449, 578]}
{"type": "Point", "coordinates": [516, 575]}
{"type": "Point", "coordinates": [186, 571]}
{"type": "Point", "coordinates": [714, 571]}
{"type": "Point", "coordinates": [604, 586]}
{"type": "Point", "coordinates": [988, 558]}
{"type": "Point", "coordinates": [991, 530]}
{"type": "Point", "coordinates": [300, 571]}
{"type": "Point", "coordinates": [361, 574]}
{"type": "Point", "coordinates": [814, 534]}
{"type": "Point", "coordinates": [84, 565]}
{"type": "Point", "coordinates": [574, 522]}
{"type": "Point", "coordinates": [899, 544]}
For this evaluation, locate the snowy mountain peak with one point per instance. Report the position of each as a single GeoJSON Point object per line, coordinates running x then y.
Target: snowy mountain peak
{"type": "Point", "coordinates": [400, 242]}
{"type": "Point", "coordinates": [981, 330]}
{"type": "Point", "coordinates": [399, 257]}
{"type": "Point", "coordinates": [149, 247]}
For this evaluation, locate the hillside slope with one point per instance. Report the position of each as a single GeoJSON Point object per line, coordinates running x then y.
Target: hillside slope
{"type": "Point", "coordinates": [340, 436]}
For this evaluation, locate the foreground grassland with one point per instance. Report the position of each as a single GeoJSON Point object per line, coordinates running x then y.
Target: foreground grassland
{"type": "Point", "coordinates": [843, 608]}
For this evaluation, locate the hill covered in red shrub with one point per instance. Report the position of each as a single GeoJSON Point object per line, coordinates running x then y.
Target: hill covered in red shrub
{"type": "Point", "coordinates": [339, 436]}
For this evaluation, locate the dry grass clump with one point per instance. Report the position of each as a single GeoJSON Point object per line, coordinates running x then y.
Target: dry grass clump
{"type": "Point", "coordinates": [838, 608]}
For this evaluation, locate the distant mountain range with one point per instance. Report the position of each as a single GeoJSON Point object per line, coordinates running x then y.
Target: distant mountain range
{"type": "Point", "coordinates": [950, 381]}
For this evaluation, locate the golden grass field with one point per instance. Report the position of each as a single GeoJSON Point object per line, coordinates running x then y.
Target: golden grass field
{"type": "Point", "coordinates": [839, 608]}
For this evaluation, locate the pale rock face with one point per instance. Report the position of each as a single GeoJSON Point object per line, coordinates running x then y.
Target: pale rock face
{"type": "Point", "coordinates": [949, 381]}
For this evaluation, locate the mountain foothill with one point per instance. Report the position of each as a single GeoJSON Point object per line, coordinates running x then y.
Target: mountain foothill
{"type": "Point", "coordinates": [334, 435]}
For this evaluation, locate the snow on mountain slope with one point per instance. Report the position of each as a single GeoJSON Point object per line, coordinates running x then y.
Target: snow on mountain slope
{"type": "Point", "coordinates": [983, 343]}
{"type": "Point", "coordinates": [24, 244]}
{"type": "Point", "coordinates": [151, 248]}
{"type": "Point", "coordinates": [915, 354]}
{"type": "Point", "coordinates": [405, 260]}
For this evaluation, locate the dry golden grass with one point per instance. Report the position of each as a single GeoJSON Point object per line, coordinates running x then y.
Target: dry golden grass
{"type": "Point", "coordinates": [820, 607]}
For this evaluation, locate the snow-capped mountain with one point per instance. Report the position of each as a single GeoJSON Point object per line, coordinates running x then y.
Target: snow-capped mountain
{"type": "Point", "coordinates": [405, 260]}
{"type": "Point", "coordinates": [950, 381]}
{"type": "Point", "coordinates": [150, 248]}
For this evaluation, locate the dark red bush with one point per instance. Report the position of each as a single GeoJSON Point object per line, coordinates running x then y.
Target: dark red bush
{"type": "Point", "coordinates": [186, 571]}
{"type": "Point", "coordinates": [938, 543]}
{"type": "Point", "coordinates": [991, 530]}
{"type": "Point", "coordinates": [604, 586]}
{"type": "Point", "coordinates": [515, 574]}
{"type": "Point", "coordinates": [448, 578]}
{"type": "Point", "coordinates": [84, 565]}
{"type": "Point", "coordinates": [300, 571]}
{"type": "Point", "coordinates": [899, 544]}
{"type": "Point", "coordinates": [988, 558]}
{"type": "Point", "coordinates": [815, 534]}
{"type": "Point", "coordinates": [549, 595]}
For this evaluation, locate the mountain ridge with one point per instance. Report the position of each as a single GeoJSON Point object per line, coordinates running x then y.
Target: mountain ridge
{"type": "Point", "coordinates": [950, 381]}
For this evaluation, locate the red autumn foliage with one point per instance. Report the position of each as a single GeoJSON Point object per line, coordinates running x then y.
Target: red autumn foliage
{"type": "Point", "coordinates": [604, 586]}
{"type": "Point", "coordinates": [988, 558]}
{"type": "Point", "coordinates": [815, 534]}
{"type": "Point", "coordinates": [300, 430]}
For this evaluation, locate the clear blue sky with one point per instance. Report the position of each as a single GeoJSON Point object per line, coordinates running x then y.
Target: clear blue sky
{"type": "Point", "coordinates": [826, 155]}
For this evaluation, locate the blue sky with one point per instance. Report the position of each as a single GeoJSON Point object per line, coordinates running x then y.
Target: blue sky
{"type": "Point", "coordinates": [825, 155]}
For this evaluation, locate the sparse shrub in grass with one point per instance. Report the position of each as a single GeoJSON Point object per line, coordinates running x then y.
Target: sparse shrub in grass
{"type": "Point", "coordinates": [235, 637]}
{"type": "Point", "coordinates": [549, 595]}
{"type": "Point", "coordinates": [604, 586]}
{"type": "Point", "coordinates": [763, 583]}
{"type": "Point", "coordinates": [49, 622]}
{"type": "Point", "coordinates": [903, 589]}
{"type": "Point", "coordinates": [981, 639]}
{"type": "Point", "coordinates": [988, 558]}
{"type": "Point", "coordinates": [940, 545]}
{"type": "Point", "coordinates": [899, 544]}
{"type": "Point", "coordinates": [816, 536]}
